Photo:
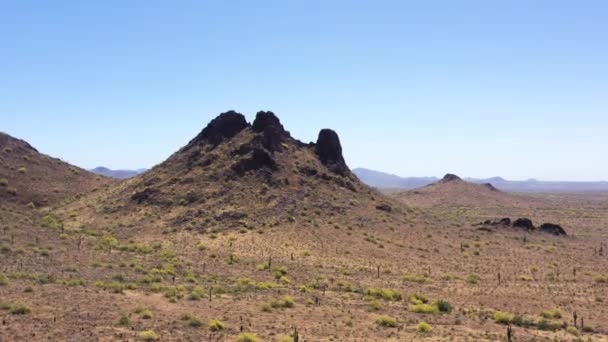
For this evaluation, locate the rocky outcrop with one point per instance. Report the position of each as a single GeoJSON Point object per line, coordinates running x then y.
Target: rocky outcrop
{"type": "Point", "coordinates": [222, 128]}
{"type": "Point", "coordinates": [551, 228]}
{"type": "Point", "coordinates": [329, 151]}
{"type": "Point", "coordinates": [524, 223]}
{"type": "Point", "coordinates": [272, 132]}
{"type": "Point", "coordinates": [257, 159]}
{"type": "Point", "coordinates": [449, 178]}
{"type": "Point", "coordinates": [489, 186]}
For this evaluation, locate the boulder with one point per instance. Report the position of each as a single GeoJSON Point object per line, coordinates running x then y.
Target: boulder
{"type": "Point", "coordinates": [551, 228]}
{"type": "Point", "coordinates": [524, 223]}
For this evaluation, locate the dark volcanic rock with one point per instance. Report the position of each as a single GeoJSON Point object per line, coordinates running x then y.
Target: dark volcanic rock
{"type": "Point", "coordinates": [551, 228]}
{"type": "Point", "coordinates": [273, 133]}
{"type": "Point", "coordinates": [223, 127]}
{"type": "Point", "coordinates": [329, 150]}
{"type": "Point", "coordinates": [489, 186]}
{"type": "Point", "coordinates": [505, 221]}
{"type": "Point", "coordinates": [523, 223]}
{"type": "Point", "coordinates": [384, 207]}
{"type": "Point", "coordinates": [449, 178]}
{"type": "Point", "coordinates": [145, 196]}
{"type": "Point", "coordinates": [259, 159]}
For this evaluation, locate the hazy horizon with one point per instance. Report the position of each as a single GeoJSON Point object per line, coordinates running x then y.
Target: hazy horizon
{"type": "Point", "coordinates": [479, 89]}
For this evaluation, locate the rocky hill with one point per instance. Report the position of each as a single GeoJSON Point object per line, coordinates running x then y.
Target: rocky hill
{"type": "Point", "coordinates": [234, 174]}
{"type": "Point", "coordinates": [452, 191]}
{"type": "Point", "coordinates": [28, 176]}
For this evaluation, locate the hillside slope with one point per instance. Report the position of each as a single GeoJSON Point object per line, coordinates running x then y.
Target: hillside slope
{"type": "Point", "coordinates": [28, 176]}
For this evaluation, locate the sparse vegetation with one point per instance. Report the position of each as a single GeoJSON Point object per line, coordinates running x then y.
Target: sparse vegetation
{"type": "Point", "coordinates": [386, 321]}
{"type": "Point", "coordinates": [424, 328]}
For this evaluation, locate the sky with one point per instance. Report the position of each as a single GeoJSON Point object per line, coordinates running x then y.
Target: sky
{"type": "Point", "coordinates": [517, 88]}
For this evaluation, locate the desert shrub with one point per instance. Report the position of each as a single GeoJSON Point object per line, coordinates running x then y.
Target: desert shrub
{"type": "Point", "coordinates": [601, 278]}
{"type": "Point", "coordinates": [279, 271]}
{"type": "Point", "coordinates": [3, 279]}
{"type": "Point", "coordinates": [502, 317]}
{"type": "Point", "coordinates": [216, 325]}
{"type": "Point", "coordinates": [304, 289]}
{"type": "Point", "coordinates": [416, 278]}
{"type": "Point", "coordinates": [572, 330]}
{"type": "Point", "coordinates": [263, 266]}
{"type": "Point", "coordinates": [443, 306]}
{"type": "Point", "coordinates": [267, 307]}
{"type": "Point", "coordinates": [146, 314]}
{"type": "Point", "coordinates": [202, 246]}
{"type": "Point", "coordinates": [551, 314]}
{"type": "Point", "coordinates": [385, 294]}
{"type": "Point", "coordinates": [346, 286]}
{"type": "Point", "coordinates": [197, 293]}
{"type": "Point", "coordinates": [124, 320]}
{"type": "Point", "coordinates": [19, 309]}
{"type": "Point", "coordinates": [522, 321]}
{"type": "Point", "coordinates": [424, 327]}
{"type": "Point", "coordinates": [284, 302]}
{"type": "Point", "coordinates": [417, 298]}
{"type": "Point", "coordinates": [547, 325]}
{"type": "Point", "coordinates": [473, 278]}
{"type": "Point", "coordinates": [3, 182]}
{"type": "Point", "coordinates": [526, 277]}
{"type": "Point", "coordinates": [247, 337]}
{"type": "Point", "coordinates": [424, 308]}
{"type": "Point", "coordinates": [386, 321]}
{"type": "Point", "coordinates": [52, 222]}
{"type": "Point", "coordinates": [375, 305]}
{"type": "Point", "coordinates": [149, 336]}
{"type": "Point", "coordinates": [285, 280]}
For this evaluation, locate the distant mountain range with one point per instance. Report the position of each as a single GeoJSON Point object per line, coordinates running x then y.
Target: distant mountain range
{"type": "Point", "coordinates": [383, 180]}
{"type": "Point", "coordinates": [119, 174]}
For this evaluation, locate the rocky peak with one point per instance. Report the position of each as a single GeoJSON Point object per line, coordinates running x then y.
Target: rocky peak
{"type": "Point", "coordinates": [223, 127]}
{"type": "Point", "coordinates": [450, 178]}
{"type": "Point", "coordinates": [273, 133]}
{"type": "Point", "coordinates": [329, 150]}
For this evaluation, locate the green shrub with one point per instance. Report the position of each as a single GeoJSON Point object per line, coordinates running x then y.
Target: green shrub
{"type": "Point", "coordinates": [424, 327]}
{"type": "Point", "coordinates": [19, 309]}
{"type": "Point", "coordinates": [551, 314]}
{"type": "Point", "coordinates": [473, 278]}
{"type": "Point", "coordinates": [502, 317]}
{"type": "Point", "coordinates": [3, 279]}
{"type": "Point", "coordinates": [386, 321]}
{"type": "Point", "coordinates": [546, 325]}
{"type": "Point", "coordinates": [124, 320]}
{"type": "Point", "coordinates": [146, 314]}
{"type": "Point", "coordinates": [375, 305]}
{"type": "Point", "coordinates": [418, 298]}
{"type": "Point", "coordinates": [216, 325]}
{"type": "Point", "coordinates": [149, 336]}
{"type": "Point", "coordinates": [247, 337]}
{"type": "Point", "coordinates": [424, 308]}
{"type": "Point", "coordinates": [573, 330]}
{"type": "Point", "coordinates": [385, 294]}
{"type": "Point", "coordinates": [285, 302]}
{"type": "Point", "coordinates": [443, 306]}
{"type": "Point", "coordinates": [416, 278]}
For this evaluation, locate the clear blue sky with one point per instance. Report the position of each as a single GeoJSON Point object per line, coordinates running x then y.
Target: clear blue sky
{"type": "Point", "coordinates": [481, 88]}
